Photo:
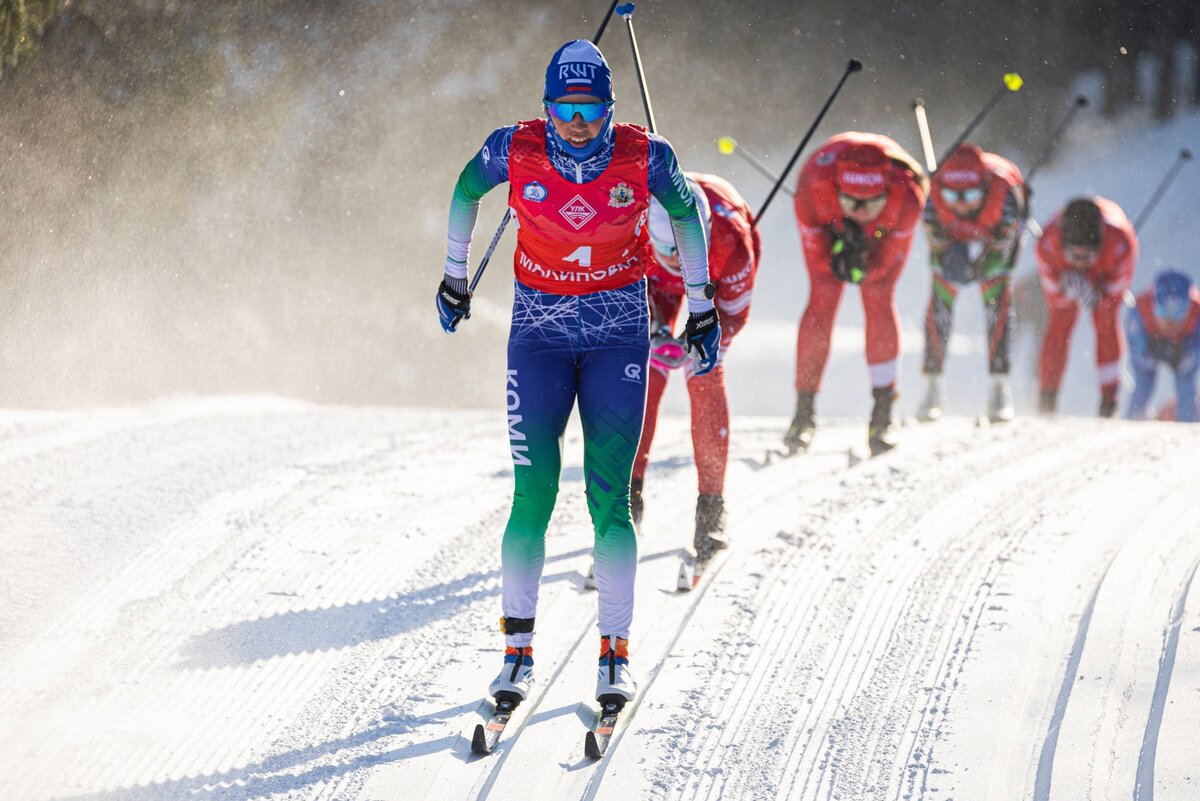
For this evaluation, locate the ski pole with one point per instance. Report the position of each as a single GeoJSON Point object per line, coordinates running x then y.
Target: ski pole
{"type": "Point", "coordinates": [1012, 83]}
{"type": "Point", "coordinates": [1080, 102]}
{"type": "Point", "coordinates": [1184, 155]}
{"type": "Point", "coordinates": [626, 12]}
{"type": "Point", "coordinates": [728, 146]}
{"type": "Point", "coordinates": [508, 213]}
{"type": "Point", "coordinates": [854, 65]}
{"type": "Point", "coordinates": [926, 138]}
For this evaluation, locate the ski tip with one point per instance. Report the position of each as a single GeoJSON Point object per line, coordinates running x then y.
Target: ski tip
{"type": "Point", "coordinates": [479, 741]}
{"type": "Point", "coordinates": [591, 747]}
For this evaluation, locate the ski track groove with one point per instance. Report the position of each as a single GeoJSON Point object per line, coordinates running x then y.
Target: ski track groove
{"type": "Point", "coordinates": [1144, 788]}
{"type": "Point", "coordinates": [954, 647]}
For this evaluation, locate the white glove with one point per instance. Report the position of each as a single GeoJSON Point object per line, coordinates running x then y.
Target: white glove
{"type": "Point", "coordinates": [1077, 287]}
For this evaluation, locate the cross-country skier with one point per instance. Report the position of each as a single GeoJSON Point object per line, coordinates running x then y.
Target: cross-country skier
{"type": "Point", "coordinates": [973, 219]}
{"type": "Point", "coordinates": [579, 187]}
{"type": "Point", "coordinates": [858, 201]}
{"type": "Point", "coordinates": [734, 250]}
{"type": "Point", "coordinates": [1085, 259]}
{"type": "Point", "coordinates": [1164, 328]}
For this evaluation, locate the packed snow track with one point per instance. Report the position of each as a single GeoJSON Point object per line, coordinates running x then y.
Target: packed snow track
{"type": "Point", "coordinates": [246, 598]}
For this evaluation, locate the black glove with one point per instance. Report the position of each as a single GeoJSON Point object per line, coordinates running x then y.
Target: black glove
{"type": "Point", "coordinates": [703, 337]}
{"type": "Point", "coordinates": [453, 303]}
{"type": "Point", "coordinates": [849, 262]}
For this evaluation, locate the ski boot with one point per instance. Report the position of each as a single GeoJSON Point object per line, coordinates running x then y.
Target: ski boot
{"type": "Point", "coordinates": [636, 503]}
{"type": "Point", "coordinates": [1000, 402]}
{"type": "Point", "coordinates": [1048, 403]}
{"type": "Point", "coordinates": [881, 432]}
{"type": "Point", "coordinates": [614, 682]}
{"type": "Point", "coordinates": [1108, 401]}
{"type": "Point", "coordinates": [710, 526]}
{"type": "Point", "coordinates": [516, 677]}
{"type": "Point", "coordinates": [935, 398]}
{"type": "Point", "coordinates": [800, 433]}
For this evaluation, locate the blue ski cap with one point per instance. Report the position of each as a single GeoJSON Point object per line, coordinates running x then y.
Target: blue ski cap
{"type": "Point", "coordinates": [1172, 294]}
{"type": "Point", "coordinates": [578, 68]}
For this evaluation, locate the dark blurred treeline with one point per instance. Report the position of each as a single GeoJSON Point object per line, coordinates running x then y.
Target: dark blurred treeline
{"type": "Point", "coordinates": [251, 194]}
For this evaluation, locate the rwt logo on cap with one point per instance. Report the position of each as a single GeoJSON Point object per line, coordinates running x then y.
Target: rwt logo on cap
{"type": "Point", "coordinates": [578, 68]}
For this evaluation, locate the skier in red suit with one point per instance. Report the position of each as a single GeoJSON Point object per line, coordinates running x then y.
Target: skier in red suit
{"type": "Point", "coordinates": [734, 251]}
{"type": "Point", "coordinates": [858, 202]}
{"type": "Point", "coordinates": [1085, 258]}
{"type": "Point", "coordinates": [977, 205]}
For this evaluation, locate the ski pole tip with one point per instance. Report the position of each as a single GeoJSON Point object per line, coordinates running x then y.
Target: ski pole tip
{"type": "Point", "coordinates": [1013, 81]}
{"type": "Point", "coordinates": [1081, 101]}
{"type": "Point", "coordinates": [1185, 154]}
{"type": "Point", "coordinates": [726, 144]}
{"type": "Point", "coordinates": [626, 10]}
{"type": "Point", "coordinates": [919, 102]}
{"type": "Point", "coordinates": [854, 66]}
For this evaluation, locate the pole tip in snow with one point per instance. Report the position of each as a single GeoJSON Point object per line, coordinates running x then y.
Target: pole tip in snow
{"type": "Point", "coordinates": [1081, 101]}
{"type": "Point", "coordinates": [1185, 154]}
{"type": "Point", "coordinates": [1013, 81]}
{"type": "Point", "coordinates": [726, 144]}
{"type": "Point", "coordinates": [919, 102]}
{"type": "Point", "coordinates": [626, 10]}
{"type": "Point", "coordinates": [854, 66]}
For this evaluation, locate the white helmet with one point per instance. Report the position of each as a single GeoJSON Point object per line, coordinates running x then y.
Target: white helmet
{"type": "Point", "coordinates": [662, 237]}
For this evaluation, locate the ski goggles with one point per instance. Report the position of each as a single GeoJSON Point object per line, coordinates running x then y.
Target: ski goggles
{"type": "Point", "coordinates": [590, 112]}
{"type": "Point", "coordinates": [850, 205]}
{"type": "Point", "coordinates": [972, 195]}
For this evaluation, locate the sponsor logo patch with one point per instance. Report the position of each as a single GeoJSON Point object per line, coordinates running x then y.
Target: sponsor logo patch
{"type": "Point", "coordinates": [577, 212]}
{"type": "Point", "coordinates": [826, 158]}
{"type": "Point", "coordinates": [534, 191]}
{"type": "Point", "coordinates": [621, 196]}
{"type": "Point", "coordinates": [865, 179]}
{"type": "Point", "coordinates": [961, 177]}
{"type": "Point", "coordinates": [633, 372]}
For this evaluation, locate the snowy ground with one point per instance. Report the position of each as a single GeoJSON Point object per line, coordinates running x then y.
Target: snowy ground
{"type": "Point", "coordinates": [251, 598]}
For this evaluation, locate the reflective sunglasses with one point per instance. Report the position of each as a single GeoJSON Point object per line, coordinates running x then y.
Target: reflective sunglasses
{"type": "Point", "coordinates": [590, 112]}
{"type": "Point", "coordinates": [972, 195]}
{"type": "Point", "coordinates": [1076, 254]}
{"type": "Point", "coordinates": [873, 205]}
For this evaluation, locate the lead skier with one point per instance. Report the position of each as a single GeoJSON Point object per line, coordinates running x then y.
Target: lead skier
{"type": "Point", "coordinates": [579, 187]}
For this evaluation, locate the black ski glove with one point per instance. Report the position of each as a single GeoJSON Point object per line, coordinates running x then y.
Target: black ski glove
{"type": "Point", "coordinates": [849, 261]}
{"type": "Point", "coordinates": [453, 303]}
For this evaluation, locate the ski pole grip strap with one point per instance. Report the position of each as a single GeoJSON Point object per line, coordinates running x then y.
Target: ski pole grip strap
{"type": "Point", "coordinates": [516, 625]}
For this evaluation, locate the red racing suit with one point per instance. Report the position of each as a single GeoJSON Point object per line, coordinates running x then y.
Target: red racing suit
{"type": "Point", "coordinates": [890, 237]}
{"type": "Point", "coordinates": [734, 252]}
{"type": "Point", "coordinates": [1109, 275]}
